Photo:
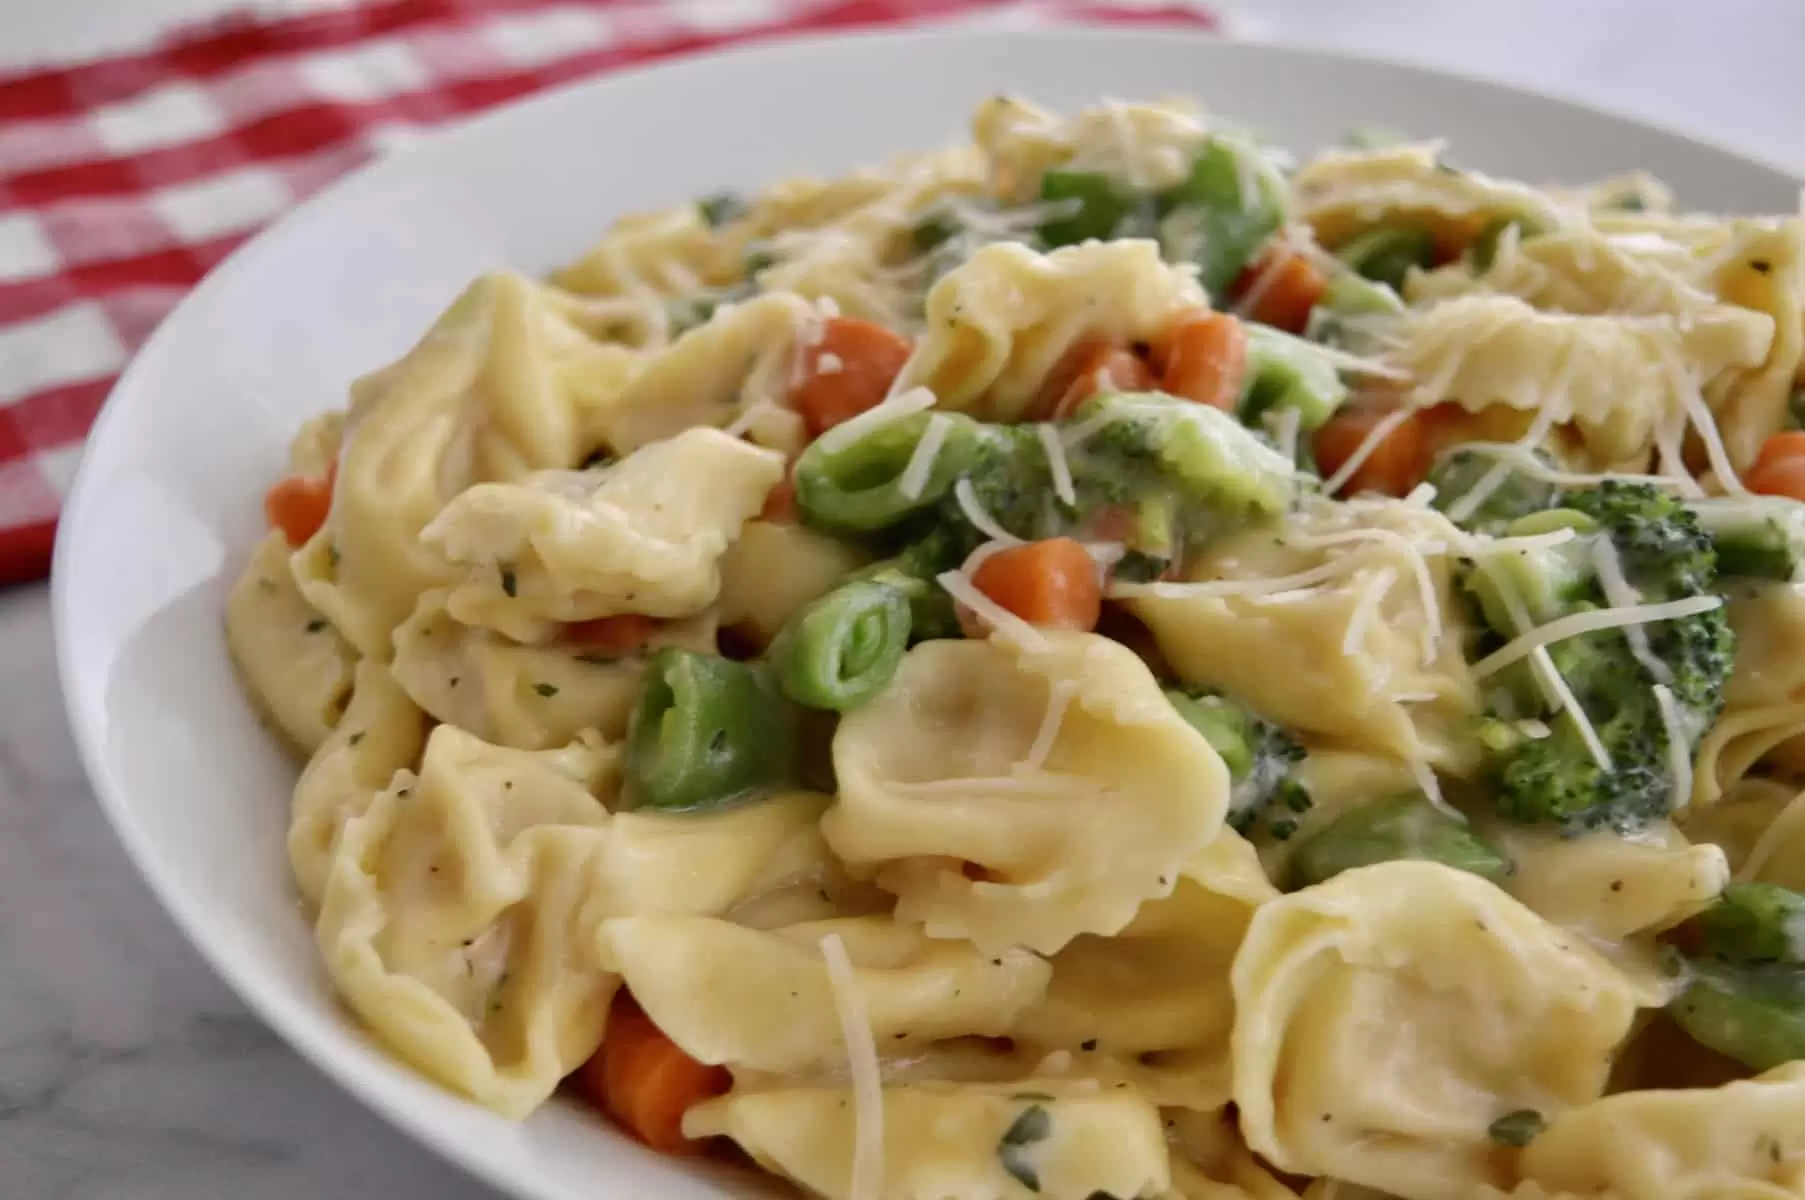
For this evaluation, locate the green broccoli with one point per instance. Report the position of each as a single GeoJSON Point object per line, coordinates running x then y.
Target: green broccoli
{"type": "Point", "coordinates": [1102, 208]}
{"type": "Point", "coordinates": [1664, 555]}
{"type": "Point", "coordinates": [1485, 247]}
{"type": "Point", "coordinates": [1343, 318]}
{"type": "Point", "coordinates": [1259, 757]}
{"type": "Point", "coordinates": [1513, 492]}
{"type": "Point", "coordinates": [1287, 372]}
{"type": "Point", "coordinates": [1756, 537]}
{"type": "Point", "coordinates": [1206, 457]}
{"type": "Point", "coordinates": [1222, 212]}
{"type": "Point", "coordinates": [1751, 923]}
{"type": "Point", "coordinates": [1408, 826]}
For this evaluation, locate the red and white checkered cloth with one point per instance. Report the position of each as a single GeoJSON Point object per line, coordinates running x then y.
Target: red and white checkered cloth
{"type": "Point", "coordinates": [123, 181]}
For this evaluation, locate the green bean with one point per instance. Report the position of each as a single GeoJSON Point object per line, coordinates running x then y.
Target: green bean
{"type": "Point", "coordinates": [1100, 206]}
{"type": "Point", "coordinates": [1403, 827]}
{"type": "Point", "coordinates": [1216, 219]}
{"type": "Point", "coordinates": [1753, 1014]}
{"type": "Point", "coordinates": [858, 488]}
{"type": "Point", "coordinates": [707, 733]}
{"type": "Point", "coordinates": [1386, 254]}
{"type": "Point", "coordinates": [1485, 246]}
{"type": "Point", "coordinates": [841, 650]}
{"type": "Point", "coordinates": [1288, 372]}
{"type": "Point", "coordinates": [1754, 923]}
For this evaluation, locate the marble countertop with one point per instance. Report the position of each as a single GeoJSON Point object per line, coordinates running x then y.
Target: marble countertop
{"type": "Point", "coordinates": [128, 1070]}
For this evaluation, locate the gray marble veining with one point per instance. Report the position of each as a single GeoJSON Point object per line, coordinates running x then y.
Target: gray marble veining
{"type": "Point", "coordinates": [128, 1071]}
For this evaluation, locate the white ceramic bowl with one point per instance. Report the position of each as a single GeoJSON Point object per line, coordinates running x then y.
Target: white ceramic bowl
{"type": "Point", "coordinates": [167, 503]}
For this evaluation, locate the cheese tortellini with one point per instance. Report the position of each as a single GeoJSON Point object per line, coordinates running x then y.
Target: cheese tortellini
{"type": "Point", "coordinates": [1098, 663]}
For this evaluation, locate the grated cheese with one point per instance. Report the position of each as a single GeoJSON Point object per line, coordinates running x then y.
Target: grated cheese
{"type": "Point", "coordinates": [1283, 424]}
{"type": "Point", "coordinates": [1057, 702]}
{"type": "Point", "coordinates": [1576, 624]}
{"type": "Point", "coordinates": [861, 1061]}
{"type": "Point", "coordinates": [1057, 464]}
{"type": "Point", "coordinates": [1419, 567]}
{"type": "Point", "coordinates": [921, 463]}
{"type": "Point", "coordinates": [1274, 265]}
{"type": "Point", "coordinates": [1365, 609]}
{"type": "Point", "coordinates": [1693, 401]}
{"type": "Point", "coordinates": [1492, 480]}
{"type": "Point", "coordinates": [1679, 755]}
{"type": "Point", "coordinates": [1172, 590]}
{"type": "Point", "coordinates": [1422, 495]}
{"type": "Point", "coordinates": [983, 522]}
{"type": "Point", "coordinates": [1619, 594]}
{"type": "Point", "coordinates": [1431, 788]}
{"type": "Point", "coordinates": [1000, 619]}
{"type": "Point", "coordinates": [1521, 457]}
{"type": "Point", "coordinates": [893, 409]}
{"type": "Point", "coordinates": [829, 363]}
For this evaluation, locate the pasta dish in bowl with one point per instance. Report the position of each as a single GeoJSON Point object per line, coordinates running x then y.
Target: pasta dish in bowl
{"type": "Point", "coordinates": [1102, 661]}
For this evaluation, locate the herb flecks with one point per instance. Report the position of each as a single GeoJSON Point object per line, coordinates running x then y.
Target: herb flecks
{"type": "Point", "coordinates": [509, 584]}
{"type": "Point", "coordinates": [547, 690]}
{"type": "Point", "coordinates": [1517, 1128]}
{"type": "Point", "coordinates": [1034, 1125]}
{"type": "Point", "coordinates": [317, 625]}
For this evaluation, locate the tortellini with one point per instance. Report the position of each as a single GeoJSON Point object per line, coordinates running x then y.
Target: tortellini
{"type": "Point", "coordinates": [1058, 774]}
{"type": "Point", "coordinates": [998, 325]}
{"type": "Point", "coordinates": [490, 393]}
{"type": "Point", "coordinates": [1357, 656]}
{"type": "Point", "coordinates": [290, 658]}
{"type": "Point", "coordinates": [763, 1000]}
{"type": "Point", "coordinates": [1743, 1140]}
{"type": "Point", "coordinates": [974, 1141]}
{"type": "Point", "coordinates": [452, 917]}
{"type": "Point", "coordinates": [1609, 887]}
{"type": "Point", "coordinates": [773, 570]}
{"type": "Point", "coordinates": [643, 536]}
{"type": "Point", "coordinates": [1385, 1018]}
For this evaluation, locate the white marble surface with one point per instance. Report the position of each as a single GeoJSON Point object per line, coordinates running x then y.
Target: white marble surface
{"type": "Point", "coordinates": [128, 1070]}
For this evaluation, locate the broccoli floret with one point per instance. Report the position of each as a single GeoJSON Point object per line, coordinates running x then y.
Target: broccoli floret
{"type": "Point", "coordinates": [1403, 827]}
{"type": "Point", "coordinates": [1756, 537]}
{"type": "Point", "coordinates": [1664, 555]}
{"type": "Point", "coordinates": [1259, 757]}
{"type": "Point", "coordinates": [1101, 207]}
{"type": "Point", "coordinates": [1511, 492]}
{"type": "Point", "coordinates": [1209, 459]}
{"type": "Point", "coordinates": [1750, 923]}
{"type": "Point", "coordinates": [1344, 316]}
{"type": "Point", "coordinates": [1287, 372]}
{"type": "Point", "coordinates": [1741, 960]}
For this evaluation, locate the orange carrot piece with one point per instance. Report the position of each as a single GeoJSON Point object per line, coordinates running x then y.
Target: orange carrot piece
{"type": "Point", "coordinates": [620, 634]}
{"type": "Point", "coordinates": [1787, 444]}
{"type": "Point", "coordinates": [1205, 360]}
{"type": "Point", "coordinates": [1396, 464]}
{"type": "Point", "coordinates": [780, 503]}
{"type": "Point", "coordinates": [1051, 583]}
{"type": "Point", "coordinates": [1782, 475]}
{"type": "Point", "coordinates": [1288, 292]}
{"type": "Point", "coordinates": [1103, 369]}
{"type": "Point", "coordinates": [298, 505]}
{"type": "Point", "coordinates": [847, 372]}
{"type": "Point", "coordinates": [646, 1082]}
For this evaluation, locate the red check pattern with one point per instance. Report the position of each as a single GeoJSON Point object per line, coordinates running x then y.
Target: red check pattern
{"type": "Point", "coordinates": [123, 181]}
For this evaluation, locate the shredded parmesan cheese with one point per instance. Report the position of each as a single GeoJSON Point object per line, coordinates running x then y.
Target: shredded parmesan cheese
{"type": "Point", "coordinates": [829, 363]}
{"type": "Point", "coordinates": [1431, 787]}
{"type": "Point", "coordinates": [1620, 594]}
{"type": "Point", "coordinates": [1521, 457]}
{"type": "Point", "coordinates": [1365, 609]}
{"type": "Point", "coordinates": [1283, 424]}
{"type": "Point", "coordinates": [1679, 756]}
{"type": "Point", "coordinates": [861, 1060]}
{"type": "Point", "coordinates": [1000, 619]}
{"type": "Point", "coordinates": [896, 408]}
{"type": "Point", "coordinates": [1057, 464]}
{"type": "Point", "coordinates": [921, 463]}
{"type": "Point", "coordinates": [1686, 388]}
{"type": "Point", "coordinates": [1057, 702]}
{"type": "Point", "coordinates": [982, 521]}
{"type": "Point", "coordinates": [1430, 635]}
{"type": "Point", "coordinates": [1576, 624]}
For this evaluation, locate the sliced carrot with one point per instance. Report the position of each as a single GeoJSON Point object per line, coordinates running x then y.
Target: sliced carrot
{"type": "Point", "coordinates": [645, 1081]}
{"type": "Point", "coordinates": [298, 505]}
{"type": "Point", "coordinates": [1051, 583]}
{"type": "Point", "coordinates": [620, 634]}
{"type": "Point", "coordinates": [1395, 465]}
{"type": "Point", "coordinates": [847, 372]}
{"type": "Point", "coordinates": [1787, 444]}
{"type": "Point", "coordinates": [1205, 359]}
{"type": "Point", "coordinates": [1777, 476]}
{"type": "Point", "coordinates": [780, 503]}
{"type": "Point", "coordinates": [1104, 369]}
{"type": "Point", "coordinates": [1289, 288]}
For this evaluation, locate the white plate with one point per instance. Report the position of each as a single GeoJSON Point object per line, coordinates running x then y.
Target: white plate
{"type": "Point", "coordinates": [167, 503]}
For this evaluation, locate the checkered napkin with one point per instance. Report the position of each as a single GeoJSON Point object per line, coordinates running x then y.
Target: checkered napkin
{"type": "Point", "coordinates": [123, 181]}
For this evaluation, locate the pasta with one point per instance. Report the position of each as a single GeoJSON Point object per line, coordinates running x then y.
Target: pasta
{"type": "Point", "coordinates": [1094, 663]}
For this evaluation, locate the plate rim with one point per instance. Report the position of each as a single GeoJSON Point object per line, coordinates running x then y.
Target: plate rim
{"type": "Point", "coordinates": [180, 905]}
